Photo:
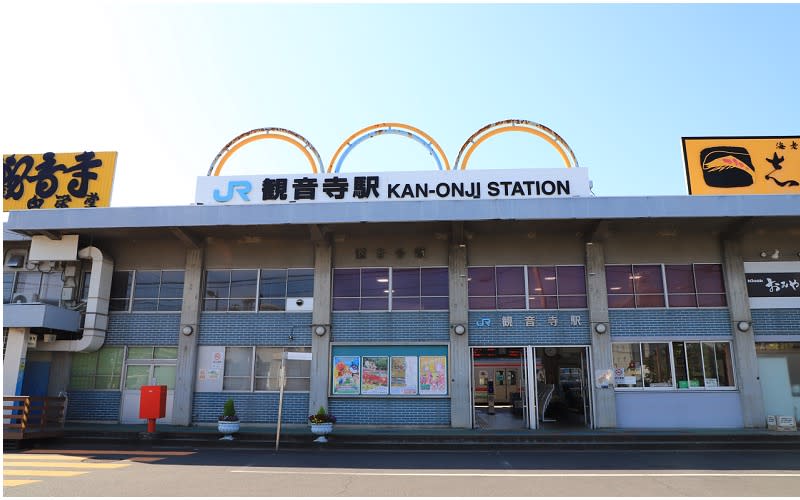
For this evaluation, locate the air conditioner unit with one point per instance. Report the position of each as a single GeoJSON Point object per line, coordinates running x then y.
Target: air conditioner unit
{"type": "Point", "coordinates": [49, 337]}
{"type": "Point", "coordinates": [297, 304]}
{"type": "Point", "coordinates": [15, 259]}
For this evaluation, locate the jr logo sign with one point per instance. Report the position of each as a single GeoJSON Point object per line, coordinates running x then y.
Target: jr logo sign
{"type": "Point", "coordinates": [241, 187]}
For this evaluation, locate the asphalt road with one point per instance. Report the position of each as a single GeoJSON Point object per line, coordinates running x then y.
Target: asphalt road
{"type": "Point", "coordinates": [215, 472]}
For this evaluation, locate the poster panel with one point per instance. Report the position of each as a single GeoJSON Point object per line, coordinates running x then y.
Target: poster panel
{"type": "Point", "coordinates": [432, 375]}
{"type": "Point", "coordinates": [742, 165]}
{"type": "Point", "coordinates": [346, 374]}
{"type": "Point", "coordinates": [375, 375]}
{"type": "Point", "coordinates": [404, 375]}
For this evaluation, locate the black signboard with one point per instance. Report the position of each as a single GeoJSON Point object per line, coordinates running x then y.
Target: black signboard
{"type": "Point", "coordinates": [773, 284]}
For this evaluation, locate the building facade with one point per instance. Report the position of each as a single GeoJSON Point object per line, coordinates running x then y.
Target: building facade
{"type": "Point", "coordinates": [634, 312]}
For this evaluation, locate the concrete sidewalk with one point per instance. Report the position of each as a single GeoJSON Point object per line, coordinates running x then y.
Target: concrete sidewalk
{"type": "Point", "coordinates": [360, 437]}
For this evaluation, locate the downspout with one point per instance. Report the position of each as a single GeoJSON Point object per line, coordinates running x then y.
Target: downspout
{"type": "Point", "coordinates": [96, 320]}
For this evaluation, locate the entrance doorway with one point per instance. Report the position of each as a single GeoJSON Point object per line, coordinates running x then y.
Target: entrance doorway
{"type": "Point", "coordinates": [531, 387]}
{"type": "Point", "coordinates": [137, 375]}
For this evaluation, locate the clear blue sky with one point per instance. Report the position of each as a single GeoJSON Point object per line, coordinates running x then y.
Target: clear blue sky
{"type": "Point", "coordinates": [167, 85]}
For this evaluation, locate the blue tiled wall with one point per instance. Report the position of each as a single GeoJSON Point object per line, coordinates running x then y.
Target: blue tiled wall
{"type": "Point", "coordinates": [390, 411]}
{"type": "Point", "coordinates": [253, 407]}
{"type": "Point", "coordinates": [776, 321]}
{"type": "Point", "coordinates": [255, 329]}
{"type": "Point", "coordinates": [423, 326]}
{"type": "Point", "coordinates": [143, 329]}
{"type": "Point", "coordinates": [541, 333]}
{"type": "Point", "coordinates": [93, 405]}
{"type": "Point", "coordinates": [669, 322]}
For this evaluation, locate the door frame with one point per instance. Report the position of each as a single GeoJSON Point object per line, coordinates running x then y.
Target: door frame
{"type": "Point", "coordinates": [587, 379]}
{"type": "Point", "coordinates": [135, 395]}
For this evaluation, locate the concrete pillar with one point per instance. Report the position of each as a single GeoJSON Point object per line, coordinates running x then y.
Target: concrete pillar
{"type": "Point", "coordinates": [321, 315]}
{"type": "Point", "coordinates": [744, 347]}
{"type": "Point", "coordinates": [460, 362]}
{"type": "Point", "coordinates": [14, 361]}
{"type": "Point", "coordinates": [187, 337]}
{"type": "Point", "coordinates": [603, 399]}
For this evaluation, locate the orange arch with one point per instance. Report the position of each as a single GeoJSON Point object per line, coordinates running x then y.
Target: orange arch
{"type": "Point", "coordinates": [267, 133]}
{"type": "Point", "coordinates": [504, 126]}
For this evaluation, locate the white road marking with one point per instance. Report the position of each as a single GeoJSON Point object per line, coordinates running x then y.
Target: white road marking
{"type": "Point", "coordinates": [525, 474]}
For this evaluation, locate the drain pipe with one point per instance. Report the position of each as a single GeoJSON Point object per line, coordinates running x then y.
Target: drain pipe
{"type": "Point", "coordinates": [96, 321]}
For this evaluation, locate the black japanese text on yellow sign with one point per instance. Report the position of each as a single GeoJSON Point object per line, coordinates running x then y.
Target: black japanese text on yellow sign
{"type": "Point", "coordinates": [58, 180]}
{"type": "Point", "coordinates": [742, 165]}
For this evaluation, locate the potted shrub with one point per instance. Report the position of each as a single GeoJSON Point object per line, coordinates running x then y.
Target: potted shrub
{"type": "Point", "coordinates": [228, 422]}
{"type": "Point", "coordinates": [321, 424]}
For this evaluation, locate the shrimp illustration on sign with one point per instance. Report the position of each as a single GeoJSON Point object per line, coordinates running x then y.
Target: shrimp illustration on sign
{"type": "Point", "coordinates": [432, 375]}
{"type": "Point", "coordinates": [346, 374]}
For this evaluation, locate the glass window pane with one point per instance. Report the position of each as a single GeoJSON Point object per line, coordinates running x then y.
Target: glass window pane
{"type": "Point", "coordinates": [571, 280]}
{"type": "Point", "coordinates": [87, 280]}
{"type": "Point", "coordinates": [542, 280]}
{"type": "Point", "coordinates": [619, 280]}
{"type": "Point", "coordinates": [217, 284]}
{"type": "Point", "coordinates": [482, 303]}
{"type": "Point", "coordinates": [572, 302]}
{"type": "Point", "coordinates": [406, 303]}
{"type": "Point", "coordinates": [709, 278]}
{"type": "Point", "coordinates": [340, 304]}
{"type": "Point", "coordinates": [511, 302]}
{"type": "Point", "coordinates": [695, 362]}
{"type": "Point", "coordinates": [243, 284]}
{"type": "Point", "coordinates": [8, 284]}
{"type": "Point", "coordinates": [146, 284]}
{"type": "Point", "coordinates": [679, 279]}
{"type": "Point", "coordinates": [481, 282]}
{"type": "Point", "coordinates": [121, 284]}
{"type": "Point", "coordinates": [238, 361]}
{"type": "Point", "coordinates": [215, 305]}
{"type": "Point", "coordinates": [165, 353]}
{"type": "Point", "coordinates": [27, 285]}
{"type": "Point", "coordinates": [298, 384]}
{"type": "Point", "coordinates": [369, 304]}
{"type": "Point", "coordinates": [405, 282]}
{"type": "Point", "coordinates": [81, 383]}
{"type": "Point", "coordinates": [145, 305]}
{"type": "Point", "coordinates": [165, 375]}
{"type": "Point", "coordinates": [109, 361]}
{"type": "Point", "coordinates": [300, 283]}
{"type": "Point", "coordinates": [679, 354]}
{"type": "Point", "coordinates": [118, 305]}
{"type": "Point", "coordinates": [272, 304]}
{"type": "Point", "coordinates": [137, 376]}
{"type": "Point", "coordinates": [686, 300]}
{"type": "Point", "coordinates": [712, 300]}
{"type": "Point", "coordinates": [248, 304]}
{"type": "Point", "coordinates": [50, 292]}
{"type": "Point", "coordinates": [268, 362]}
{"type": "Point", "coordinates": [656, 365]}
{"type": "Point", "coordinates": [649, 301]}
{"type": "Point", "coordinates": [709, 364]}
{"type": "Point", "coordinates": [266, 384]}
{"type": "Point", "coordinates": [375, 283]}
{"type": "Point", "coordinates": [543, 302]}
{"type": "Point", "coordinates": [170, 304]}
{"type": "Point", "coordinates": [347, 283]}
{"type": "Point", "coordinates": [435, 303]}
{"type": "Point", "coordinates": [434, 282]}
{"type": "Point", "coordinates": [620, 301]}
{"type": "Point", "coordinates": [236, 383]}
{"type": "Point", "coordinates": [628, 358]}
{"type": "Point", "coordinates": [171, 284]}
{"type": "Point", "coordinates": [140, 353]}
{"type": "Point", "coordinates": [510, 281]}
{"type": "Point", "coordinates": [722, 352]}
{"type": "Point", "coordinates": [647, 279]}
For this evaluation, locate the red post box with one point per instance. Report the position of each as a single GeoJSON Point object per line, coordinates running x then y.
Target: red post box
{"type": "Point", "coordinates": [153, 404]}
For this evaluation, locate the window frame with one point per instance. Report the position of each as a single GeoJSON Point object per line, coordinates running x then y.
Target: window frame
{"type": "Point", "coordinates": [665, 293]}
{"type": "Point", "coordinates": [257, 298]}
{"type": "Point", "coordinates": [131, 297]}
{"type": "Point", "coordinates": [528, 293]}
{"type": "Point", "coordinates": [252, 377]}
{"type": "Point", "coordinates": [391, 292]}
{"type": "Point", "coordinates": [93, 376]}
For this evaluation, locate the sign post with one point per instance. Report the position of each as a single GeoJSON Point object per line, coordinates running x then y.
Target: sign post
{"type": "Point", "coordinates": [306, 356]}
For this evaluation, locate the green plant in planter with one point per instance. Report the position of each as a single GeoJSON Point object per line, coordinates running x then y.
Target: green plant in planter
{"type": "Point", "coordinates": [229, 412]}
{"type": "Point", "coordinates": [321, 417]}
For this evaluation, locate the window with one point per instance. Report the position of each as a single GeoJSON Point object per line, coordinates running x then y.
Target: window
{"type": "Point", "coordinates": [527, 287]}
{"type": "Point", "coordinates": [241, 290]}
{"type": "Point", "coordinates": [146, 291]}
{"type": "Point", "coordinates": [383, 289]}
{"type": "Point", "coordinates": [243, 374]}
{"type": "Point", "coordinates": [703, 364]}
{"type": "Point", "coordinates": [152, 352]}
{"type": "Point", "coordinates": [696, 365]}
{"type": "Point", "coordinates": [32, 286]}
{"type": "Point", "coordinates": [8, 286]}
{"type": "Point", "coordinates": [695, 285]}
{"type": "Point", "coordinates": [279, 284]}
{"type": "Point", "coordinates": [635, 286]}
{"type": "Point", "coordinates": [99, 370]}
{"type": "Point", "coordinates": [87, 277]}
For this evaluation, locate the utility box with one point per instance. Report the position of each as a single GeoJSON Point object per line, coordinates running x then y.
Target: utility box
{"type": "Point", "coordinates": [153, 401]}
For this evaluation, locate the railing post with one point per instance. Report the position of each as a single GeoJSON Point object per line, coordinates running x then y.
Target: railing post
{"type": "Point", "coordinates": [26, 408]}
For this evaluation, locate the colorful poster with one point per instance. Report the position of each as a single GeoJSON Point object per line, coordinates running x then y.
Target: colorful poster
{"type": "Point", "coordinates": [432, 375]}
{"type": "Point", "coordinates": [375, 375]}
{"type": "Point", "coordinates": [404, 375]}
{"type": "Point", "coordinates": [346, 371]}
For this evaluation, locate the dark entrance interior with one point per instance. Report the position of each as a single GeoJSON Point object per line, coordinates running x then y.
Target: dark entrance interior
{"type": "Point", "coordinates": [562, 390]}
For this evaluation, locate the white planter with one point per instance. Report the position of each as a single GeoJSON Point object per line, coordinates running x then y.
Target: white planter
{"type": "Point", "coordinates": [321, 430]}
{"type": "Point", "coordinates": [227, 427]}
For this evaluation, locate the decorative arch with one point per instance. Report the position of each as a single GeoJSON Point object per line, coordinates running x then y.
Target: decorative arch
{"type": "Point", "coordinates": [526, 126]}
{"type": "Point", "coordinates": [258, 134]}
{"type": "Point", "coordinates": [388, 128]}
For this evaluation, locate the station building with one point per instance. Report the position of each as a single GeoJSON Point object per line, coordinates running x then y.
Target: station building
{"type": "Point", "coordinates": [530, 312]}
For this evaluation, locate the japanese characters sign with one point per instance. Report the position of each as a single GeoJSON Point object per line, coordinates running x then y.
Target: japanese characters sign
{"type": "Point", "coordinates": [742, 165]}
{"type": "Point", "coordinates": [773, 284]}
{"type": "Point", "coordinates": [57, 180]}
{"type": "Point", "coordinates": [393, 186]}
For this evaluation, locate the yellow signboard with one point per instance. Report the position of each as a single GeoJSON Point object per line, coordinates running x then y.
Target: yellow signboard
{"type": "Point", "coordinates": [742, 165]}
{"type": "Point", "coordinates": [58, 180]}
